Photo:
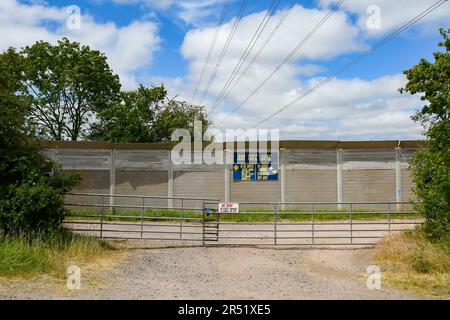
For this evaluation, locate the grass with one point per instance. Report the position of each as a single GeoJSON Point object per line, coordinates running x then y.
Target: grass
{"type": "Point", "coordinates": [413, 263]}
{"type": "Point", "coordinates": [250, 215]}
{"type": "Point", "coordinates": [52, 254]}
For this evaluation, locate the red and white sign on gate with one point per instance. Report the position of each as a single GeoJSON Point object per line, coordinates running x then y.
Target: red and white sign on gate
{"type": "Point", "coordinates": [228, 207]}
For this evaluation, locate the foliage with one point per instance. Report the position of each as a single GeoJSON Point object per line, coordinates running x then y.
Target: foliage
{"type": "Point", "coordinates": [411, 261]}
{"type": "Point", "coordinates": [179, 115]}
{"type": "Point", "coordinates": [131, 118]}
{"type": "Point", "coordinates": [25, 255]}
{"type": "Point", "coordinates": [31, 186]}
{"type": "Point", "coordinates": [145, 115]}
{"type": "Point", "coordinates": [65, 85]}
{"type": "Point", "coordinates": [431, 166]}
{"type": "Point", "coordinates": [71, 93]}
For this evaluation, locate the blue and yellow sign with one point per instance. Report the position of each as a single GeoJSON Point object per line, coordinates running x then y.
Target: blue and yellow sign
{"type": "Point", "coordinates": [248, 166]}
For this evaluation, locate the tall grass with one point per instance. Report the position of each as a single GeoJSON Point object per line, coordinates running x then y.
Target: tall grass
{"type": "Point", "coordinates": [412, 262]}
{"type": "Point", "coordinates": [49, 253]}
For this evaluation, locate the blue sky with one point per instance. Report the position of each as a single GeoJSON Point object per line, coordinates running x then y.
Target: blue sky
{"type": "Point", "coordinates": [166, 41]}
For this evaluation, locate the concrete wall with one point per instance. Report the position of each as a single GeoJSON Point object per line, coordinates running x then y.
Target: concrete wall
{"type": "Point", "coordinates": [311, 175]}
{"type": "Point", "coordinates": [315, 171]}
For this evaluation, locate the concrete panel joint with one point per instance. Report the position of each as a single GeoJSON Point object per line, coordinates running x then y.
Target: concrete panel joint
{"type": "Point", "coordinates": [339, 188]}
{"type": "Point", "coordinates": [170, 190]}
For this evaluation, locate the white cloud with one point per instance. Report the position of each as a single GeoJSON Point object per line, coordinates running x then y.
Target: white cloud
{"type": "Point", "coordinates": [393, 14]}
{"type": "Point", "coordinates": [343, 109]}
{"type": "Point", "coordinates": [336, 37]}
{"type": "Point", "coordinates": [190, 12]}
{"type": "Point", "coordinates": [128, 48]}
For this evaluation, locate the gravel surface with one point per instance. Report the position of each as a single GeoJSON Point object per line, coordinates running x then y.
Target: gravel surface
{"type": "Point", "coordinates": [216, 273]}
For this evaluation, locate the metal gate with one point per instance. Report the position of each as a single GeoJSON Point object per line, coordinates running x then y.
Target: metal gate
{"type": "Point", "coordinates": [196, 220]}
{"type": "Point", "coordinates": [314, 223]}
{"type": "Point", "coordinates": [156, 218]}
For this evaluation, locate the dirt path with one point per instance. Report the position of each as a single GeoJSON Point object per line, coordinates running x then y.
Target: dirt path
{"type": "Point", "coordinates": [218, 273]}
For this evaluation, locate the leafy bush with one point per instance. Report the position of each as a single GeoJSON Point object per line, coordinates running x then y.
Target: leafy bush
{"type": "Point", "coordinates": [431, 175]}
{"type": "Point", "coordinates": [31, 186]}
{"type": "Point", "coordinates": [31, 207]}
{"type": "Point", "coordinates": [431, 167]}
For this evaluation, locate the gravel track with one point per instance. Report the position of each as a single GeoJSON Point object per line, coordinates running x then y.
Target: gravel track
{"type": "Point", "coordinates": [216, 273]}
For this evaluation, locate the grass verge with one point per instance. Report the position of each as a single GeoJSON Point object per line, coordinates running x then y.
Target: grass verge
{"type": "Point", "coordinates": [251, 215]}
{"type": "Point", "coordinates": [413, 263]}
{"type": "Point", "coordinates": [25, 256]}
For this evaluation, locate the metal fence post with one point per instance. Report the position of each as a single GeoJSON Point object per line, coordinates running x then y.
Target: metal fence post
{"type": "Point", "coordinates": [275, 220]}
{"type": "Point", "coordinates": [351, 222]}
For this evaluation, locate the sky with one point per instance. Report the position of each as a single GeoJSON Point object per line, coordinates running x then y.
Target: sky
{"type": "Point", "coordinates": [151, 42]}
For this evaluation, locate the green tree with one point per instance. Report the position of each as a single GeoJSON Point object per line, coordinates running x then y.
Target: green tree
{"type": "Point", "coordinates": [431, 166]}
{"type": "Point", "coordinates": [66, 84]}
{"type": "Point", "coordinates": [31, 186]}
{"type": "Point", "coordinates": [145, 115]}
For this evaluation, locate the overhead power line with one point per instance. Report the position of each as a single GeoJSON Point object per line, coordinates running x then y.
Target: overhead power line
{"type": "Point", "coordinates": [288, 57]}
{"type": "Point", "coordinates": [261, 49]}
{"type": "Point", "coordinates": [211, 47]}
{"type": "Point", "coordinates": [247, 51]}
{"type": "Point", "coordinates": [225, 48]}
{"type": "Point", "coordinates": [357, 59]}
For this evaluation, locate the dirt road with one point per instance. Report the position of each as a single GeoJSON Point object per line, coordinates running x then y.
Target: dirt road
{"type": "Point", "coordinates": [217, 273]}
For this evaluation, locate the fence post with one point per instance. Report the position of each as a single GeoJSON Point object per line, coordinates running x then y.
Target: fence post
{"type": "Point", "coordinates": [101, 218]}
{"type": "Point", "coordinates": [283, 177]}
{"type": "Point", "coordinates": [389, 217]}
{"type": "Point", "coordinates": [351, 222]}
{"type": "Point", "coordinates": [181, 219]}
{"type": "Point", "coordinates": [339, 187]}
{"type": "Point", "coordinates": [275, 219]}
{"type": "Point", "coordinates": [170, 188]}
{"type": "Point", "coordinates": [142, 217]}
{"type": "Point", "coordinates": [312, 223]}
{"type": "Point", "coordinates": [112, 180]}
{"type": "Point", "coordinates": [227, 175]}
{"type": "Point", "coordinates": [398, 180]}
{"type": "Point", "coordinates": [203, 222]}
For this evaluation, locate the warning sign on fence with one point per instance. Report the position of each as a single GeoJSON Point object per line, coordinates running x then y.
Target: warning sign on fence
{"type": "Point", "coordinates": [228, 207]}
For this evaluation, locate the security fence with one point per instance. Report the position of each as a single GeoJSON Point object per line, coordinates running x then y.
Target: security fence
{"type": "Point", "coordinates": [196, 220]}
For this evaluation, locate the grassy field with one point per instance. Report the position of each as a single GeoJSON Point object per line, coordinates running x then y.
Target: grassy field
{"type": "Point", "coordinates": [252, 215]}
{"type": "Point", "coordinates": [52, 254]}
{"type": "Point", "coordinates": [413, 263]}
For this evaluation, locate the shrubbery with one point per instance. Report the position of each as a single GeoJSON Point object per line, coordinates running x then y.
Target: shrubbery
{"type": "Point", "coordinates": [431, 166]}
{"type": "Point", "coordinates": [31, 186]}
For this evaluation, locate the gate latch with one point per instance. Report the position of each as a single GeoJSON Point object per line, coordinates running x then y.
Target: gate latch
{"type": "Point", "coordinates": [207, 211]}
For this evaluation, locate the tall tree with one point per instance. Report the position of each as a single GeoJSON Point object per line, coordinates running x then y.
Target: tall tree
{"type": "Point", "coordinates": [65, 84]}
{"type": "Point", "coordinates": [31, 186]}
{"type": "Point", "coordinates": [145, 115]}
{"type": "Point", "coordinates": [431, 166]}
{"type": "Point", "coordinates": [13, 137]}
